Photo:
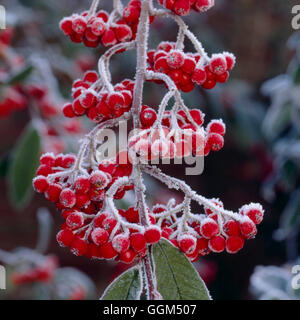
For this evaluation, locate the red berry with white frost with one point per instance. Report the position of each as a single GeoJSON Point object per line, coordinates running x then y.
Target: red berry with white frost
{"type": "Point", "coordinates": [209, 228]}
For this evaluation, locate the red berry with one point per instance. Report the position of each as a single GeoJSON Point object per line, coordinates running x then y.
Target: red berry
{"type": "Point", "coordinates": [53, 192]}
{"type": "Point", "coordinates": [209, 228]}
{"type": "Point", "coordinates": [234, 244]}
{"type": "Point", "coordinates": [68, 110]}
{"type": "Point", "coordinates": [216, 126]}
{"type": "Point", "coordinates": [152, 234]}
{"type": "Point", "coordinates": [67, 198]}
{"type": "Point", "coordinates": [99, 180]}
{"type": "Point", "coordinates": [44, 170]}
{"type": "Point", "coordinates": [75, 220]}
{"type": "Point", "coordinates": [148, 117]}
{"type": "Point", "coordinates": [161, 65]}
{"type": "Point", "coordinates": [199, 76]}
{"type": "Point", "coordinates": [93, 251]}
{"type": "Point", "coordinates": [248, 228]}
{"type": "Point", "coordinates": [254, 211]}
{"type": "Point", "coordinates": [175, 59]}
{"type": "Point", "coordinates": [99, 219]}
{"type": "Point", "coordinates": [232, 228]}
{"type": "Point", "coordinates": [209, 84]}
{"type": "Point", "coordinates": [197, 116]}
{"type": "Point", "coordinates": [82, 185]}
{"type": "Point", "coordinates": [215, 141]}
{"type": "Point", "coordinates": [108, 224]}
{"type": "Point", "coordinates": [99, 236]}
{"type": "Point", "coordinates": [127, 256]}
{"type": "Point", "coordinates": [66, 26]}
{"type": "Point", "coordinates": [217, 244]}
{"type": "Point", "coordinates": [90, 76]}
{"type": "Point", "coordinates": [109, 38]}
{"type": "Point", "coordinates": [182, 7]}
{"type": "Point", "coordinates": [137, 242]}
{"type": "Point", "coordinates": [65, 237]}
{"type": "Point", "coordinates": [40, 184]}
{"type": "Point", "coordinates": [189, 65]}
{"type": "Point", "coordinates": [166, 232]}
{"type": "Point", "coordinates": [202, 246]}
{"type": "Point", "coordinates": [187, 243]}
{"type": "Point", "coordinates": [82, 200]}
{"type": "Point", "coordinates": [218, 64]}
{"type": "Point", "coordinates": [222, 78]}
{"type": "Point", "coordinates": [79, 25]}
{"type": "Point", "coordinates": [123, 32]}
{"type": "Point", "coordinates": [121, 243]}
{"type": "Point", "coordinates": [230, 60]}
{"type": "Point", "coordinates": [132, 215]}
{"type": "Point", "coordinates": [78, 246]}
{"type": "Point", "coordinates": [107, 251]}
{"type": "Point", "coordinates": [203, 5]}
{"type": "Point", "coordinates": [98, 27]}
{"type": "Point", "coordinates": [48, 159]}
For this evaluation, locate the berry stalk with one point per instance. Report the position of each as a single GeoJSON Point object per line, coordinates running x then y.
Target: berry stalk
{"type": "Point", "coordinates": [142, 46]}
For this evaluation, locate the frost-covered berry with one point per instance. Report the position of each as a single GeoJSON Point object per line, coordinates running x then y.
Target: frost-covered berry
{"type": "Point", "coordinates": [82, 185]}
{"type": "Point", "coordinates": [99, 236]}
{"type": "Point", "coordinates": [107, 251]}
{"type": "Point", "coordinates": [199, 76]}
{"type": "Point", "coordinates": [209, 228]}
{"type": "Point", "coordinates": [216, 126]}
{"type": "Point", "coordinates": [234, 244]}
{"type": "Point", "coordinates": [53, 192]}
{"type": "Point", "coordinates": [148, 117]}
{"type": "Point", "coordinates": [216, 244]}
{"type": "Point", "coordinates": [152, 234]}
{"type": "Point", "coordinates": [218, 64]}
{"type": "Point", "coordinates": [232, 228]}
{"type": "Point", "coordinates": [121, 243]}
{"type": "Point", "coordinates": [137, 242]}
{"type": "Point", "coordinates": [40, 184]}
{"type": "Point", "coordinates": [65, 237]}
{"type": "Point", "coordinates": [75, 220]}
{"type": "Point", "coordinates": [78, 246]}
{"type": "Point", "coordinates": [215, 141]}
{"type": "Point", "coordinates": [175, 59]}
{"type": "Point", "coordinates": [254, 211]}
{"type": "Point", "coordinates": [230, 60]}
{"type": "Point", "coordinates": [248, 228]}
{"type": "Point", "coordinates": [127, 256]}
{"type": "Point", "coordinates": [202, 246]}
{"type": "Point", "coordinates": [67, 198]}
{"type": "Point", "coordinates": [108, 224]}
{"type": "Point", "coordinates": [187, 243]}
{"type": "Point", "coordinates": [99, 179]}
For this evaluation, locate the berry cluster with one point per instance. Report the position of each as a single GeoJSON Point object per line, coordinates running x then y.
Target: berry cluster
{"type": "Point", "coordinates": [211, 232]}
{"type": "Point", "coordinates": [91, 98]}
{"type": "Point", "coordinates": [43, 271]}
{"type": "Point", "coordinates": [189, 69]}
{"type": "Point", "coordinates": [180, 139]}
{"type": "Point", "coordinates": [93, 29]}
{"type": "Point", "coordinates": [184, 7]}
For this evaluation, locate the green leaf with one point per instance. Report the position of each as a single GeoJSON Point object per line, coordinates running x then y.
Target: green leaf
{"type": "Point", "coordinates": [23, 167]}
{"type": "Point", "coordinates": [126, 287]}
{"type": "Point", "coordinates": [4, 165]}
{"type": "Point", "coordinates": [176, 277]}
{"type": "Point", "coordinates": [20, 76]}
